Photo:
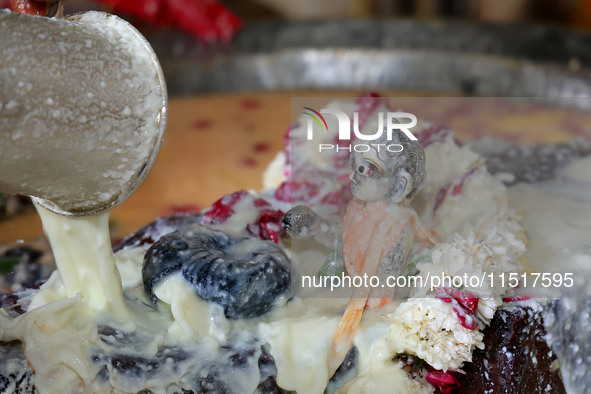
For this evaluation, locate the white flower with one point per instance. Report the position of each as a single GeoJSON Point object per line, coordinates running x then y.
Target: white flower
{"type": "Point", "coordinates": [429, 329]}
{"type": "Point", "coordinates": [486, 309]}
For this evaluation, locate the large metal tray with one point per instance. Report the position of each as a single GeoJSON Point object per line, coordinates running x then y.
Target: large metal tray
{"type": "Point", "coordinates": [437, 57]}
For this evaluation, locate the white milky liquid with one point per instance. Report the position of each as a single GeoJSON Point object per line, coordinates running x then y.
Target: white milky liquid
{"type": "Point", "coordinates": [83, 254]}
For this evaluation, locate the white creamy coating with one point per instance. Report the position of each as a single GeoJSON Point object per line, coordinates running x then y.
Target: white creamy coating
{"type": "Point", "coordinates": [55, 336]}
{"type": "Point", "coordinates": [82, 250]}
{"type": "Point", "coordinates": [557, 217]}
{"type": "Point", "coordinates": [193, 317]}
{"type": "Point", "coordinates": [300, 337]}
{"type": "Point", "coordinates": [377, 374]}
{"type": "Point", "coordinates": [60, 326]}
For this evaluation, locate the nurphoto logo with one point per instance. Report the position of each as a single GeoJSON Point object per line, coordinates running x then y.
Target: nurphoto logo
{"type": "Point", "coordinates": [388, 122]}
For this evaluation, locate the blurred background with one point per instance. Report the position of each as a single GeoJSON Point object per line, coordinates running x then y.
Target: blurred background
{"type": "Point", "coordinates": [568, 13]}
{"type": "Point", "coordinates": [217, 45]}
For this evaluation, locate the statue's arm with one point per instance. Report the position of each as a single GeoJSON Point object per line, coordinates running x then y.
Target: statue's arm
{"type": "Point", "coordinates": [302, 222]}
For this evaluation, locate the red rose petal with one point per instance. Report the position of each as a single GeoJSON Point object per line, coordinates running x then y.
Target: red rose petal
{"type": "Point", "coordinates": [456, 186]}
{"type": "Point", "coordinates": [267, 226]}
{"type": "Point", "coordinates": [464, 305]}
{"type": "Point", "coordinates": [441, 194]}
{"type": "Point", "coordinates": [516, 298]}
{"type": "Point", "coordinates": [457, 189]}
{"type": "Point", "coordinates": [221, 210]}
{"type": "Point", "coordinates": [444, 381]}
{"type": "Point", "coordinates": [467, 300]}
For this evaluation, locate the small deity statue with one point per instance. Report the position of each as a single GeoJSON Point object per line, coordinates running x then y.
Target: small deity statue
{"type": "Point", "coordinates": [378, 227]}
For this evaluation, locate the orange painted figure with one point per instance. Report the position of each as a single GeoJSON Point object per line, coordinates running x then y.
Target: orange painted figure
{"type": "Point", "coordinates": [378, 228]}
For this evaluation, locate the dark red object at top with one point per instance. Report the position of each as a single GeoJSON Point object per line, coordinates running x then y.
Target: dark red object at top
{"type": "Point", "coordinates": [208, 20]}
{"type": "Point", "coordinates": [30, 7]}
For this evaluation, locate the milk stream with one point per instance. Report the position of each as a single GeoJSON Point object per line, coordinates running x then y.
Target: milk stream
{"type": "Point", "coordinates": [84, 257]}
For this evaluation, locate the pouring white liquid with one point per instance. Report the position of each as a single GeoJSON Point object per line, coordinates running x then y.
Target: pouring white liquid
{"type": "Point", "coordinates": [84, 257]}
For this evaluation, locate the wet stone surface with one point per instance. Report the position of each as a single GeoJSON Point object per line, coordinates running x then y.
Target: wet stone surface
{"type": "Point", "coordinates": [244, 275]}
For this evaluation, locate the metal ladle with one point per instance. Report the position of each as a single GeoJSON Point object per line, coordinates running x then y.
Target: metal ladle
{"type": "Point", "coordinates": [83, 108]}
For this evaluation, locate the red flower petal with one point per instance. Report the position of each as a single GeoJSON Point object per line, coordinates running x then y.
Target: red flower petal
{"type": "Point", "coordinates": [444, 381]}
{"type": "Point", "coordinates": [467, 300]}
{"type": "Point", "coordinates": [464, 305]}
{"type": "Point", "coordinates": [267, 226]}
{"type": "Point", "coordinates": [221, 210]}
{"type": "Point", "coordinates": [208, 20]}
{"type": "Point", "coordinates": [456, 187]}
{"type": "Point", "coordinates": [292, 191]}
{"type": "Point", "coordinates": [516, 298]}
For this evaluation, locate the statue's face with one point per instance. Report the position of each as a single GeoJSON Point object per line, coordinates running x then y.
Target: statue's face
{"type": "Point", "coordinates": [370, 181]}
